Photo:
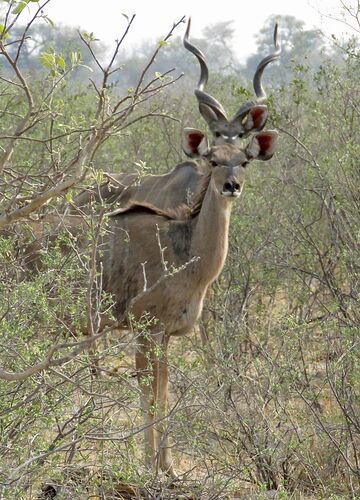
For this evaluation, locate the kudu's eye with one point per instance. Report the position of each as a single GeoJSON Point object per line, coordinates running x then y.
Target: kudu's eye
{"type": "Point", "coordinates": [213, 163]}
{"type": "Point", "coordinates": [217, 134]}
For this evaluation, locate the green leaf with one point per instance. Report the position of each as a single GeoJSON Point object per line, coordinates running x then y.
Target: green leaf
{"type": "Point", "coordinates": [60, 61]}
{"type": "Point", "coordinates": [3, 34]}
{"type": "Point", "coordinates": [48, 20]}
{"type": "Point", "coordinates": [74, 58]}
{"type": "Point", "coordinates": [47, 59]}
{"type": "Point", "coordinates": [163, 43]}
{"type": "Point", "coordinates": [87, 67]}
{"type": "Point", "coordinates": [89, 37]}
{"type": "Point", "coordinates": [69, 197]}
{"type": "Point", "coordinates": [20, 7]}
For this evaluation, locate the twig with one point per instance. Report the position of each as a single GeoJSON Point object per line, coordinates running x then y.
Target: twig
{"type": "Point", "coordinates": [162, 249]}
{"type": "Point", "coordinates": [143, 264]}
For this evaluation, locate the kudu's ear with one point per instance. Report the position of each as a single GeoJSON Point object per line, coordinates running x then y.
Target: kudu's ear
{"type": "Point", "coordinates": [207, 113]}
{"type": "Point", "coordinates": [256, 118]}
{"type": "Point", "coordinates": [262, 145]}
{"type": "Point", "coordinates": [194, 142]}
{"type": "Point", "coordinates": [251, 118]}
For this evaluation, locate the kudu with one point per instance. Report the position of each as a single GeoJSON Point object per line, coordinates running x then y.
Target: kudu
{"type": "Point", "coordinates": [158, 265]}
{"type": "Point", "coordinates": [178, 186]}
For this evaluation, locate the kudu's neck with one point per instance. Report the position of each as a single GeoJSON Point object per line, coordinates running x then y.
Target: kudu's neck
{"type": "Point", "coordinates": [210, 238]}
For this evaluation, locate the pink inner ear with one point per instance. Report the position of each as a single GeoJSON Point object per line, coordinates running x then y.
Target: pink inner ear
{"type": "Point", "coordinates": [258, 115]}
{"type": "Point", "coordinates": [194, 140]}
{"type": "Point", "coordinates": [265, 142]}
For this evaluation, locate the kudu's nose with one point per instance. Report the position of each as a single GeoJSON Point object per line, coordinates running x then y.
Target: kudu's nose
{"type": "Point", "coordinates": [231, 187]}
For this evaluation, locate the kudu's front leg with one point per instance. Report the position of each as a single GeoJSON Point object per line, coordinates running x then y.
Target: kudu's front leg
{"type": "Point", "coordinates": [162, 424]}
{"type": "Point", "coordinates": [152, 373]}
{"type": "Point", "coordinates": [147, 382]}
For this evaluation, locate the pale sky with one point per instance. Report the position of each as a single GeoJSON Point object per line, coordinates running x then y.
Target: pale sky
{"type": "Point", "coordinates": [154, 18]}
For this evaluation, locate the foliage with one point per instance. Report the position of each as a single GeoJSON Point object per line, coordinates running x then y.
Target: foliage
{"type": "Point", "coordinates": [266, 394]}
{"type": "Point", "coordinates": [299, 46]}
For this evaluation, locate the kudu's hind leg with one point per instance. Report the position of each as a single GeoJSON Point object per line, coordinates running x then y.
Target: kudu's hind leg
{"type": "Point", "coordinates": [93, 349]}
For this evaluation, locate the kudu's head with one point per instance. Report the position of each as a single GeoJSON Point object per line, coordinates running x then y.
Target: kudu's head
{"type": "Point", "coordinates": [250, 117]}
{"type": "Point", "coordinates": [227, 162]}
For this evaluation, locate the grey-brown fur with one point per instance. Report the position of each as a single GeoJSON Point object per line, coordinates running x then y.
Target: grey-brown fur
{"type": "Point", "coordinates": [163, 191]}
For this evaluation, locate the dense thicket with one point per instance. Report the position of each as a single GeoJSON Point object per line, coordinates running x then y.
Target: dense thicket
{"type": "Point", "coordinates": [266, 395]}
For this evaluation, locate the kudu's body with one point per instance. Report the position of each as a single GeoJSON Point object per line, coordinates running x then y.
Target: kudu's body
{"type": "Point", "coordinates": [160, 263]}
{"type": "Point", "coordinates": [163, 191]}
{"type": "Point", "coordinates": [178, 186]}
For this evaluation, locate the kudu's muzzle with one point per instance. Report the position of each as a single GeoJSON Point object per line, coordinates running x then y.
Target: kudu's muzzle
{"type": "Point", "coordinates": [231, 188]}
